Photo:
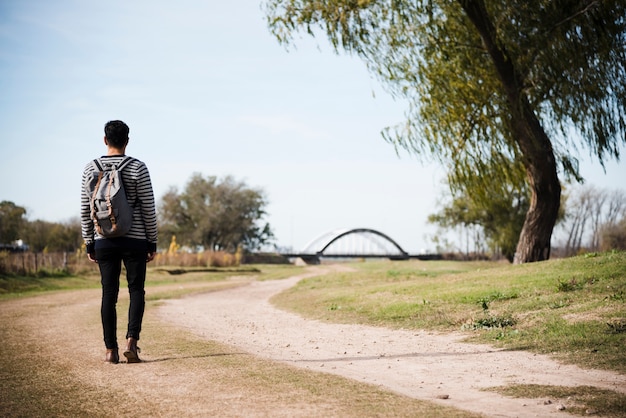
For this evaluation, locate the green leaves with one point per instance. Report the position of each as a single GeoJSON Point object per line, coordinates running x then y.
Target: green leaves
{"type": "Point", "coordinates": [217, 214]}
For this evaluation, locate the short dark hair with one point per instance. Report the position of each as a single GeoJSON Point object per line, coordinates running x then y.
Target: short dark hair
{"type": "Point", "coordinates": [116, 133]}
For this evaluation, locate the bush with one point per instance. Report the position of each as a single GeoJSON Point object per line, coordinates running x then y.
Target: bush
{"type": "Point", "coordinates": [201, 259]}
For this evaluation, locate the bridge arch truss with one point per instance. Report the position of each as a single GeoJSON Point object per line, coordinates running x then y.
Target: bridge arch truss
{"type": "Point", "coordinates": [357, 242]}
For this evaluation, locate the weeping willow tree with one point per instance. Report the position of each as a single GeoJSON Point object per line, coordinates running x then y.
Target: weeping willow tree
{"type": "Point", "coordinates": [501, 87]}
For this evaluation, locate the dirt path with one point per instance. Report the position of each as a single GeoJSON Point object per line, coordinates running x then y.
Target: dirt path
{"type": "Point", "coordinates": [51, 362]}
{"type": "Point", "coordinates": [422, 365]}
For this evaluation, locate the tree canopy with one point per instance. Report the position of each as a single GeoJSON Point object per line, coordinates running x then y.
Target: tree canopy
{"type": "Point", "coordinates": [36, 235]}
{"type": "Point", "coordinates": [501, 87]}
{"type": "Point", "coordinates": [12, 219]}
{"type": "Point", "coordinates": [216, 214]}
{"type": "Point", "coordinates": [495, 210]}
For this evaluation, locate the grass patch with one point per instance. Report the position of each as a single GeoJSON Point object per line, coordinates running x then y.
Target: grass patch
{"type": "Point", "coordinates": [16, 286]}
{"type": "Point", "coordinates": [13, 286]}
{"type": "Point", "coordinates": [578, 400]}
{"type": "Point", "coordinates": [572, 309]}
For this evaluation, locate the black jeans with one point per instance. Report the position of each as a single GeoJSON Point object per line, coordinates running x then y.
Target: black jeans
{"type": "Point", "coordinates": [110, 264]}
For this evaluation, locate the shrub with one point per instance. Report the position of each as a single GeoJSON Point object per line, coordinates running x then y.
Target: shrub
{"type": "Point", "coordinates": [200, 259]}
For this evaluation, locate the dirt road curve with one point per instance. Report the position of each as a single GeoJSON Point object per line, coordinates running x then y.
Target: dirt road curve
{"type": "Point", "coordinates": [422, 365]}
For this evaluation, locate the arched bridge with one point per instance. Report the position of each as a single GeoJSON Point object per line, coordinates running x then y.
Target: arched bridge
{"type": "Point", "coordinates": [351, 243]}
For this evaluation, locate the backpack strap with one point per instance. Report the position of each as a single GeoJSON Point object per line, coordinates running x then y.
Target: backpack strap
{"type": "Point", "coordinates": [121, 166]}
{"type": "Point", "coordinates": [124, 163]}
{"type": "Point", "coordinates": [97, 165]}
{"type": "Point", "coordinates": [93, 200]}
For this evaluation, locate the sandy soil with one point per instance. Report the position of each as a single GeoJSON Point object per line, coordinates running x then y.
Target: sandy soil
{"type": "Point", "coordinates": [423, 365]}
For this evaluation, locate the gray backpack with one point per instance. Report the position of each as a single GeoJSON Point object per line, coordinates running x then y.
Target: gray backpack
{"type": "Point", "coordinates": [111, 212]}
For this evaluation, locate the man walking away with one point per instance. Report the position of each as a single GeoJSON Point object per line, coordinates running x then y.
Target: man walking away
{"type": "Point", "coordinates": [134, 248]}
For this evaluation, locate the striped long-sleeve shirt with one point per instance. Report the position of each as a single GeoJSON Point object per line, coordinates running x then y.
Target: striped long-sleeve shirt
{"type": "Point", "coordinates": [140, 195]}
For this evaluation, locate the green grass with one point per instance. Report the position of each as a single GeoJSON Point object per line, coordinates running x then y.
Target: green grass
{"type": "Point", "coordinates": [573, 309]}
{"type": "Point", "coordinates": [17, 286]}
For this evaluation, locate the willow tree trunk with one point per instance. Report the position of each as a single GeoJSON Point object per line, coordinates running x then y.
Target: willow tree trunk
{"type": "Point", "coordinates": [534, 240]}
{"type": "Point", "coordinates": [534, 145]}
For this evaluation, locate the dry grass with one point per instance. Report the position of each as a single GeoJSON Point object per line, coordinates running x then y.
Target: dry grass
{"type": "Point", "coordinates": [578, 400]}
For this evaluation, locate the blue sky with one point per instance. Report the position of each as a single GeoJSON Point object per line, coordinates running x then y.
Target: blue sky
{"type": "Point", "coordinates": [205, 88]}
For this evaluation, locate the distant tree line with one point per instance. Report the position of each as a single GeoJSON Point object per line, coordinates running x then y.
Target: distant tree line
{"type": "Point", "coordinates": [227, 215]}
{"type": "Point", "coordinates": [590, 219]}
{"type": "Point", "coordinates": [210, 213]}
{"type": "Point", "coordinates": [18, 233]}
{"type": "Point", "coordinates": [595, 220]}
